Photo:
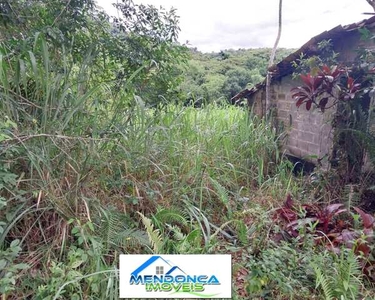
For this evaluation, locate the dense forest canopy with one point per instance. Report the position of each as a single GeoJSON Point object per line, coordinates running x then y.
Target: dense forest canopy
{"type": "Point", "coordinates": [141, 41]}
{"type": "Point", "coordinates": [211, 77]}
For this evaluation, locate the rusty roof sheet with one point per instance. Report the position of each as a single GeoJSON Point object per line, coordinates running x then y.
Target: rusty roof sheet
{"type": "Point", "coordinates": [310, 48]}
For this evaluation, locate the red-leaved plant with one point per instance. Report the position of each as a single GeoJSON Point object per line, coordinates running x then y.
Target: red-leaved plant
{"type": "Point", "coordinates": [328, 83]}
{"type": "Point", "coordinates": [333, 228]}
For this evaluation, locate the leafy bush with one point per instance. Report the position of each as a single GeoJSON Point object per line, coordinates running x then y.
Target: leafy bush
{"type": "Point", "coordinates": [332, 226]}
{"type": "Point", "coordinates": [281, 269]}
{"type": "Point", "coordinates": [10, 269]}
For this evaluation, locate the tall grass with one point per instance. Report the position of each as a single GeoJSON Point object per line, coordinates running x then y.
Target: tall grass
{"type": "Point", "coordinates": [82, 163]}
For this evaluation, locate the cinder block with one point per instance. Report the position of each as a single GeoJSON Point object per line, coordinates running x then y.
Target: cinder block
{"type": "Point", "coordinates": [306, 136]}
{"type": "Point", "coordinates": [283, 114]}
{"type": "Point", "coordinates": [293, 142]}
{"type": "Point", "coordinates": [302, 145]}
{"type": "Point", "coordinates": [310, 127]}
{"type": "Point", "coordinates": [295, 151]}
{"type": "Point", "coordinates": [313, 148]}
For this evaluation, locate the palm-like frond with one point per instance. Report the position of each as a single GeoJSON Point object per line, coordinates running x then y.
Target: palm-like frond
{"type": "Point", "coordinates": [222, 194]}
{"type": "Point", "coordinates": [153, 234]}
{"type": "Point", "coordinates": [324, 282]}
{"type": "Point", "coordinates": [349, 274]}
{"type": "Point", "coordinates": [114, 232]}
{"type": "Point", "coordinates": [170, 215]}
{"type": "Point", "coordinates": [342, 280]}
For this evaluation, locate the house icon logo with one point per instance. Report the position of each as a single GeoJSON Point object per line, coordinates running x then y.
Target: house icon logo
{"type": "Point", "coordinates": [175, 276]}
{"type": "Point", "coordinates": [156, 265]}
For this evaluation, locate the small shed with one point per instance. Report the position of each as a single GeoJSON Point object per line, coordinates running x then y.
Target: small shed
{"type": "Point", "coordinates": [309, 134]}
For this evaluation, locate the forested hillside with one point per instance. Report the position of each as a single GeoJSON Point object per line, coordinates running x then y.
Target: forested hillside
{"type": "Point", "coordinates": [217, 77]}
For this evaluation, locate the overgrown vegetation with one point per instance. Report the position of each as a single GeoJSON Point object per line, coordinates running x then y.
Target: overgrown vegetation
{"type": "Point", "coordinates": [100, 155]}
{"type": "Point", "coordinates": [348, 91]}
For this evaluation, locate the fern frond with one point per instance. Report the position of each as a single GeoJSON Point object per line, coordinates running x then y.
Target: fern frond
{"type": "Point", "coordinates": [115, 233]}
{"type": "Point", "coordinates": [178, 235]}
{"type": "Point", "coordinates": [110, 226]}
{"type": "Point", "coordinates": [170, 215]}
{"type": "Point", "coordinates": [323, 282]}
{"type": "Point", "coordinates": [223, 195]}
{"type": "Point", "coordinates": [349, 275]}
{"type": "Point", "coordinates": [179, 243]}
{"type": "Point", "coordinates": [131, 238]}
{"type": "Point", "coordinates": [153, 234]}
{"type": "Point", "coordinates": [342, 280]}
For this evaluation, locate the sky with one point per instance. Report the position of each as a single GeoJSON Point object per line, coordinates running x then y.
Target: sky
{"type": "Point", "coordinates": [214, 25]}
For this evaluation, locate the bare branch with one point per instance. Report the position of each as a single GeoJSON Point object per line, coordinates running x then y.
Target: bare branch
{"type": "Point", "coordinates": [372, 3]}
{"type": "Point", "coordinates": [272, 58]}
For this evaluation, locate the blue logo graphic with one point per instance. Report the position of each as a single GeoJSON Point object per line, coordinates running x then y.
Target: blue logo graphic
{"type": "Point", "coordinates": [160, 275]}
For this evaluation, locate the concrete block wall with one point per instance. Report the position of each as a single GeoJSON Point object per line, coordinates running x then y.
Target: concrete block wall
{"type": "Point", "coordinates": [309, 133]}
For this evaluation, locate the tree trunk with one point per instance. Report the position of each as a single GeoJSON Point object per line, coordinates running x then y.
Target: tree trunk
{"type": "Point", "coordinates": [372, 3]}
{"type": "Point", "coordinates": [272, 58]}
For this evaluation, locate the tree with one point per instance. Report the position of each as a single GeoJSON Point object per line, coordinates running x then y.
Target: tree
{"type": "Point", "coordinates": [372, 3]}
{"type": "Point", "coordinates": [149, 42]}
{"type": "Point", "coordinates": [143, 41]}
{"type": "Point", "coordinates": [60, 21]}
{"type": "Point", "coordinates": [272, 58]}
{"type": "Point", "coordinates": [210, 77]}
{"type": "Point", "coordinates": [237, 79]}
